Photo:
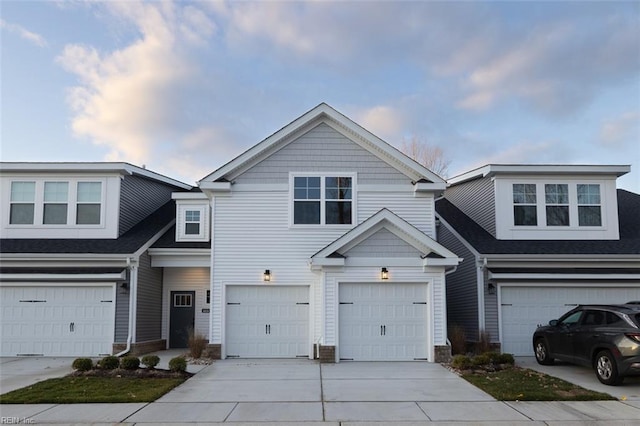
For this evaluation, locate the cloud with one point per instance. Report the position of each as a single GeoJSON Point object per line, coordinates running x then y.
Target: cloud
{"type": "Point", "coordinates": [22, 32]}
{"type": "Point", "coordinates": [130, 100]}
{"type": "Point", "coordinates": [383, 121]}
{"type": "Point", "coordinates": [622, 130]}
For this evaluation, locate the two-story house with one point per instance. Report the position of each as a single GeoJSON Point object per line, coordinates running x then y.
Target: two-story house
{"type": "Point", "coordinates": [323, 245]}
{"type": "Point", "coordinates": [536, 241]}
{"type": "Point", "coordinates": [75, 273]}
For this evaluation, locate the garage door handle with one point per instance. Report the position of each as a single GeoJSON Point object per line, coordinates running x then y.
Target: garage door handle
{"type": "Point", "coordinates": [72, 327]}
{"type": "Point", "coordinates": [383, 330]}
{"type": "Point", "coordinates": [267, 329]}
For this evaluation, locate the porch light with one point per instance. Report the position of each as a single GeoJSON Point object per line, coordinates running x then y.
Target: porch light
{"type": "Point", "coordinates": [266, 277]}
{"type": "Point", "coordinates": [491, 287]}
{"type": "Point", "coordinates": [384, 274]}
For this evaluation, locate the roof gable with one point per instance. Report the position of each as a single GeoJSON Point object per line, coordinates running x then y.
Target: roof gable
{"type": "Point", "coordinates": [323, 113]}
{"type": "Point", "coordinates": [432, 252]}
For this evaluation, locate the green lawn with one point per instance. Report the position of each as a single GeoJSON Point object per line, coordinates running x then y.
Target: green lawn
{"type": "Point", "coordinates": [80, 389]}
{"type": "Point", "coordinates": [521, 384]}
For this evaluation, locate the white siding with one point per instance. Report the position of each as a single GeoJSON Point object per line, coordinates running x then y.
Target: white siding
{"type": "Point", "coordinates": [383, 244]}
{"type": "Point", "coordinates": [418, 211]}
{"type": "Point", "coordinates": [186, 279]}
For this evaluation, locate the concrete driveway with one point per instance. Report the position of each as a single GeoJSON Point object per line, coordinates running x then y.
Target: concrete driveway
{"type": "Point", "coordinates": [16, 373]}
{"type": "Point", "coordinates": [584, 377]}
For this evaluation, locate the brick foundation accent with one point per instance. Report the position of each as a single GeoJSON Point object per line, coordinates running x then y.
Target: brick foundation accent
{"type": "Point", "coordinates": [442, 353]}
{"type": "Point", "coordinates": [140, 348]}
{"type": "Point", "coordinates": [213, 351]}
{"type": "Point", "coordinates": [327, 354]}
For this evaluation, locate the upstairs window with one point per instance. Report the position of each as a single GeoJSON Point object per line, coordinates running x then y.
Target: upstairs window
{"type": "Point", "coordinates": [55, 203]}
{"type": "Point", "coordinates": [89, 203]}
{"type": "Point", "coordinates": [192, 222]}
{"type": "Point", "coordinates": [589, 213]}
{"type": "Point", "coordinates": [23, 196]}
{"type": "Point", "coordinates": [556, 197]}
{"type": "Point", "coordinates": [323, 200]}
{"type": "Point", "coordinates": [524, 204]}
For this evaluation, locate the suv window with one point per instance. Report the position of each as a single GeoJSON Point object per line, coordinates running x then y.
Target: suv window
{"type": "Point", "coordinates": [571, 319]}
{"type": "Point", "coordinates": [636, 319]}
{"type": "Point", "coordinates": [613, 319]}
{"type": "Point", "coordinates": [594, 318]}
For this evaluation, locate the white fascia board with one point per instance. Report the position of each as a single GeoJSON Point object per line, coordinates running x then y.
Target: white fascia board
{"type": "Point", "coordinates": [64, 277]}
{"type": "Point", "coordinates": [94, 168]}
{"type": "Point", "coordinates": [448, 261]}
{"type": "Point", "coordinates": [215, 186]}
{"type": "Point", "coordinates": [327, 261]}
{"type": "Point", "coordinates": [189, 196]}
{"type": "Point", "coordinates": [179, 252]}
{"type": "Point", "coordinates": [533, 276]}
{"type": "Point", "coordinates": [541, 169]}
{"type": "Point", "coordinates": [429, 187]}
{"type": "Point", "coordinates": [180, 258]}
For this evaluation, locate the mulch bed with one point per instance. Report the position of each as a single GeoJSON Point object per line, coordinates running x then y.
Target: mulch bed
{"type": "Point", "coordinates": [140, 373]}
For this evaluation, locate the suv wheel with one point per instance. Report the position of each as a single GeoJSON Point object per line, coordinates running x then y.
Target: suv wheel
{"type": "Point", "coordinates": [542, 352]}
{"type": "Point", "coordinates": [607, 369]}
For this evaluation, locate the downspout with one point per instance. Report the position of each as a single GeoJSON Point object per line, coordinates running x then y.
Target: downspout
{"type": "Point", "coordinates": [133, 287]}
{"type": "Point", "coordinates": [450, 271]}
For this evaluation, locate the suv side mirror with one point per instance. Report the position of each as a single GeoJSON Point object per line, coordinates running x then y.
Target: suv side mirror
{"type": "Point", "coordinates": [553, 323]}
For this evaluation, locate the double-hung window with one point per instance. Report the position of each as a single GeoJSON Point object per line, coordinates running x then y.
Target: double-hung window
{"type": "Point", "coordinates": [524, 204]}
{"type": "Point", "coordinates": [55, 203]}
{"type": "Point", "coordinates": [22, 201]}
{"type": "Point", "coordinates": [323, 200]}
{"type": "Point", "coordinates": [589, 213]}
{"type": "Point", "coordinates": [556, 196]}
{"type": "Point", "coordinates": [192, 222]}
{"type": "Point", "coordinates": [88, 203]}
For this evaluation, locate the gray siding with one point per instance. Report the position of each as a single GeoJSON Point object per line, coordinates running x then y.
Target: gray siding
{"type": "Point", "coordinates": [462, 294]}
{"type": "Point", "coordinates": [383, 244]}
{"type": "Point", "coordinates": [322, 149]}
{"type": "Point", "coordinates": [490, 310]}
{"type": "Point", "coordinates": [139, 197]}
{"type": "Point", "coordinates": [477, 200]}
{"type": "Point", "coordinates": [122, 313]}
{"type": "Point", "coordinates": [149, 308]}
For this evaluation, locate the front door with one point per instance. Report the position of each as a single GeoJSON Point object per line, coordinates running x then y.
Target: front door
{"type": "Point", "coordinates": [181, 318]}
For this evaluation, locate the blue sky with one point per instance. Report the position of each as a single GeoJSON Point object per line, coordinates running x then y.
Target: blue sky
{"type": "Point", "coordinates": [183, 87]}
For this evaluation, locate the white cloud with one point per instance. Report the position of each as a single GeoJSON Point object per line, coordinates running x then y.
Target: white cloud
{"type": "Point", "coordinates": [383, 121]}
{"type": "Point", "coordinates": [22, 32]}
{"type": "Point", "coordinates": [622, 130]}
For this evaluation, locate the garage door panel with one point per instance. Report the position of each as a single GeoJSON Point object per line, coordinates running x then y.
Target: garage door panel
{"type": "Point", "coordinates": [57, 320]}
{"type": "Point", "coordinates": [523, 308]}
{"type": "Point", "coordinates": [383, 321]}
{"type": "Point", "coordinates": [267, 321]}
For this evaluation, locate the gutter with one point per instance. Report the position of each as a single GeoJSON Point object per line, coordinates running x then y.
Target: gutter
{"type": "Point", "coordinates": [133, 286]}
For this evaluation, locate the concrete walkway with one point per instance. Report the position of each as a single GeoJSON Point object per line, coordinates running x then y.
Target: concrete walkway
{"type": "Point", "coordinates": [301, 391]}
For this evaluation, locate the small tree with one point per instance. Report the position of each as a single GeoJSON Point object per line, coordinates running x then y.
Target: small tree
{"type": "Point", "coordinates": [432, 157]}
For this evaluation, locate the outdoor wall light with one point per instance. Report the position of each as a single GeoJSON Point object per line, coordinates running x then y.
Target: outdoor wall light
{"type": "Point", "coordinates": [266, 277]}
{"type": "Point", "coordinates": [384, 274]}
{"type": "Point", "coordinates": [491, 287]}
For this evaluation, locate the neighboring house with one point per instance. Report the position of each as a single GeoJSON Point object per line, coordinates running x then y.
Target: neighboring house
{"type": "Point", "coordinates": [323, 245]}
{"type": "Point", "coordinates": [536, 241]}
{"type": "Point", "coordinates": [75, 274]}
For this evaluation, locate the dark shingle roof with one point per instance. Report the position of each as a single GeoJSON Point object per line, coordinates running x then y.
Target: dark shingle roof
{"type": "Point", "coordinates": [485, 243]}
{"type": "Point", "coordinates": [168, 240]}
{"type": "Point", "coordinates": [130, 242]}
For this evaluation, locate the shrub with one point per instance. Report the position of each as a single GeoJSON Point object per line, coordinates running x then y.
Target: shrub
{"type": "Point", "coordinates": [458, 340]}
{"type": "Point", "coordinates": [130, 363]}
{"type": "Point", "coordinates": [82, 364]}
{"type": "Point", "coordinates": [484, 343]}
{"type": "Point", "coordinates": [480, 360]}
{"type": "Point", "coordinates": [505, 359]}
{"type": "Point", "coordinates": [109, 362]}
{"type": "Point", "coordinates": [197, 344]}
{"type": "Point", "coordinates": [461, 362]}
{"type": "Point", "coordinates": [151, 361]}
{"type": "Point", "coordinates": [178, 364]}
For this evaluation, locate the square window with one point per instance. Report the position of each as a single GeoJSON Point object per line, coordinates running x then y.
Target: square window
{"type": "Point", "coordinates": [55, 214]}
{"type": "Point", "coordinates": [525, 215]}
{"type": "Point", "coordinates": [88, 214]}
{"type": "Point", "coordinates": [306, 212]}
{"type": "Point", "coordinates": [21, 214]}
{"type": "Point", "coordinates": [192, 228]}
{"type": "Point", "coordinates": [557, 215]}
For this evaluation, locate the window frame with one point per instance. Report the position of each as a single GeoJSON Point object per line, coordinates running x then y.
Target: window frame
{"type": "Point", "coordinates": [589, 204]}
{"type": "Point", "coordinates": [552, 201]}
{"type": "Point", "coordinates": [181, 222]}
{"type": "Point", "coordinates": [323, 199]}
{"type": "Point", "coordinates": [524, 203]}
{"type": "Point", "coordinates": [31, 202]}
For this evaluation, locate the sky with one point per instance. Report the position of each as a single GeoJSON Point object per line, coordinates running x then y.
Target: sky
{"type": "Point", "coordinates": [183, 87]}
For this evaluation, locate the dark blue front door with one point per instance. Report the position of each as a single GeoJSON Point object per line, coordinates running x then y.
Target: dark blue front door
{"type": "Point", "coordinates": [181, 318]}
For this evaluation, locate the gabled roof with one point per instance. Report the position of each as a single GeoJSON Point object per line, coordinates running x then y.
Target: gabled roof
{"type": "Point", "coordinates": [319, 114]}
{"type": "Point", "coordinates": [433, 253]}
{"type": "Point", "coordinates": [128, 243]}
{"type": "Point", "coordinates": [485, 243]}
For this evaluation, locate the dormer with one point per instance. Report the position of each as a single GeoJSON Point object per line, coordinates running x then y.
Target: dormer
{"type": "Point", "coordinates": [78, 200]}
{"type": "Point", "coordinates": [192, 217]}
{"type": "Point", "coordinates": [541, 202]}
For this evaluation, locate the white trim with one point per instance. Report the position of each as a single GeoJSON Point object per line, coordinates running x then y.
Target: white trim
{"type": "Point", "coordinates": [561, 276]}
{"type": "Point", "coordinates": [68, 277]}
{"type": "Point", "coordinates": [189, 196]}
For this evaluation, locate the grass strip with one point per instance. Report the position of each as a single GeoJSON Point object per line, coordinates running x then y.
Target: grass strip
{"type": "Point", "coordinates": [521, 384]}
{"type": "Point", "coordinates": [76, 390]}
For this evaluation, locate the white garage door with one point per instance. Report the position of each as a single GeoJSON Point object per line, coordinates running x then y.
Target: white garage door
{"type": "Point", "coordinates": [267, 321]}
{"type": "Point", "coordinates": [383, 322]}
{"type": "Point", "coordinates": [523, 308]}
{"type": "Point", "coordinates": [57, 320]}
